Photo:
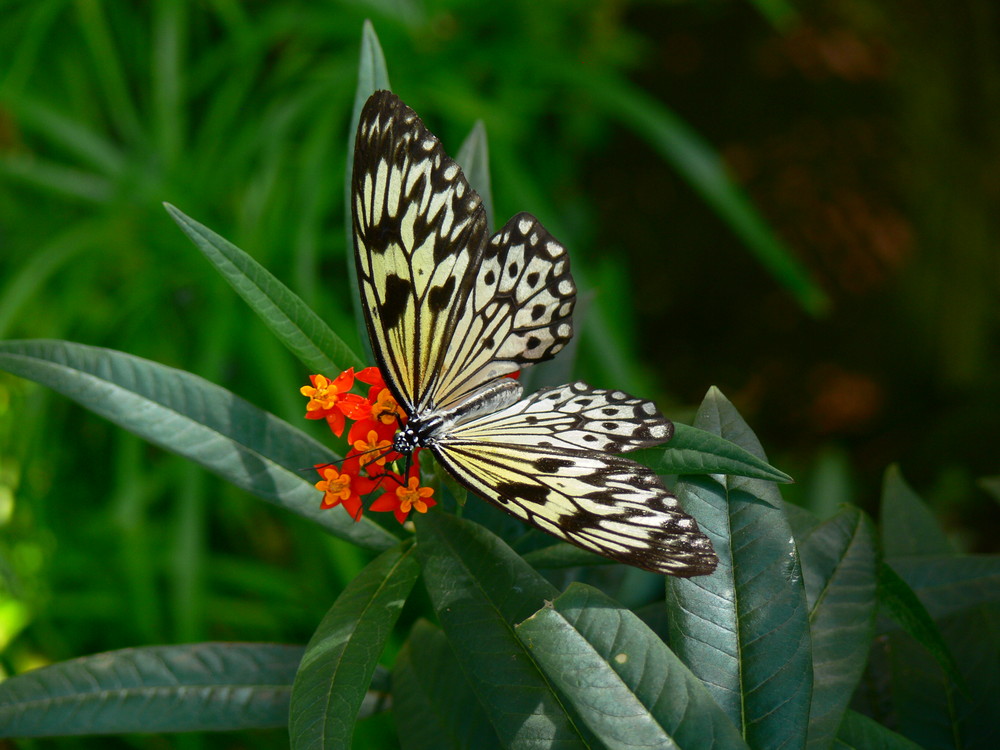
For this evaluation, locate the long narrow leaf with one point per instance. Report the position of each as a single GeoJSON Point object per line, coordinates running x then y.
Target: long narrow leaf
{"type": "Point", "coordinates": [432, 703]}
{"type": "Point", "coordinates": [623, 681]}
{"type": "Point", "coordinates": [480, 588]}
{"type": "Point", "coordinates": [908, 610]}
{"type": "Point", "coordinates": [373, 76]}
{"type": "Point", "coordinates": [60, 179]}
{"type": "Point", "coordinates": [948, 584]}
{"type": "Point", "coordinates": [296, 326]}
{"type": "Point", "coordinates": [342, 655]}
{"type": "Point", "coordinates": [839, 569]}
{"type": "Point", "coordinates": [859, 732]}
{"type": "Point", "coordinates": [474, 159]}
{"type": "Point", "coordinates": [694, 451]}
{"type": "Point", "coordinates": [68, 134]}
{"type": "Point", "coordinates": [908, 526]}
{"type": "Point", "coordinates": [205, 686]}
{"type": "Point", "coordinates": [194, 418]}
{"type": "Point", "coordinates": [744, 629]}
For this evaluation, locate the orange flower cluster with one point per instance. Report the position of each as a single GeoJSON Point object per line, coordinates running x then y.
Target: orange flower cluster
{"type": "Point", "coordinates": [363, 471]}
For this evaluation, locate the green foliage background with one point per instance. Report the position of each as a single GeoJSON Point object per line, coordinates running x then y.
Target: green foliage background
{"type": "Point", "coordinates": [858, 130]}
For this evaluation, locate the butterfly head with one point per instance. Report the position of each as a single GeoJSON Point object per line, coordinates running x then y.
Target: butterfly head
{"type": "Point", "coordinates": [408, 439]}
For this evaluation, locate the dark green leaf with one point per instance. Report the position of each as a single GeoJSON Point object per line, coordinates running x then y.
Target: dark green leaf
{"type": "Point", "coordinates": [185, 414]}
{"type": "Point", "coordinates": [928, 706]}
{"type": "Point", "coordinates": [446, 480]}
{"type": "Point", "coordinates": [295, 325]}
{"type": "Point", "coordinates": [69, 134]}
{"type": "Point", "coordinates": [623, 681]}
{"type": "Point", "coordinates": [903, 604]}
{"type": "Point", "coordinates": [433, 704]}
{"type": "Point", "coordinates": [199, 687]}
{"type": "Point", "coordinates": [745, 629]}
{"type": "Point", "coordinates": [480, 588]}
{"type": "Point", "coordinates": [373, 75]}
{"type": "Point", "coordinates": [800, 519]}
{"type": "Point", "coordinates": [859, 732]}
{"type": "Point", "coordinates": [340, 659]}
{"type": "Point", "coordinates": [474, 159]}
{"type": "Point", "coordinates": [908, 526]}
{"type": "Point", "coordinates": [694, 451]}
{"type": "Point", "coordinates": [948, 584]}
{"type": "Point", "coordinates": [563, 555]}
{"type": "Point", "coordinates": [781, 14]}
{"type": "Point", "coordinates": [839, 571]}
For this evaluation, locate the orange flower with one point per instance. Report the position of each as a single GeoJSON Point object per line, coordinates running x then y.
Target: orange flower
{"type": "Point", "coordinates": [337, 488]}
{"type": "Point", "coordinates": [372, 376]}
{"type": "Point", "coordinates": [384, 408]}
{"type": "Point", "coordinates": [406, 498]}
{"type": "Point", "coordinates": [372, 449]}
{"type": "Point", "coordinates": [323, 396]}
{"type": "Point", "coordinates": [355, 407]}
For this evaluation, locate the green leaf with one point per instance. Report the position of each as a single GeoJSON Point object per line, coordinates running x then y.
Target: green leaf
{"type": "Point", "coordinates": [480, 588]}
{"type": "Point", "coordinates": [563, 555]}
{"type": "Point", "coordinates": [67, 181]}
{"type": "Point", "coordinates": [196, 419]}
{"type": "Point", "coordinates": [800, 519]}
{"type": "Point", "coordinates": [289, 318]}
{"type": "Point", "coordinates": [341, 657]}
{"type": "Point", "coordinates": [991, 486]}
{"type": "Point", "coordinates": [110, 69]}
{"type": "Point", "coordinates": [908, 526]}
{"type": "Point", "coordinates": [694, 451]}
{"type": "Point", "coordinates": [839, 570]}
{"type": "Point", "coordinates": [474, 159]}
{"type": "Point", "coordinates": [448, 482]}
{"type": "Point", "coordinates": [70, 135]}
{"type": "Point", "coordinates": [373, 75]}
{"type": "Point", "coordinates": [432, 703]}
{"type": "Point", "coordinates": [859, 732]}
{"type": "Point", "coordinates": [29, 280]}
{"type": "Point", "coordinates": [948, 584]}
{"type": "Point", "coordinates": [744, 630]}
{"type": "Point", "coordinates": [626, 685]}
{"type": "Point", "coordinates": [902, 603]}
{"type": "Point", "coordinates": [198, 687]}
{"type": "Point", "coordinates": [928, 706]}
{"type": "Point", "coordinates": [781, 14]}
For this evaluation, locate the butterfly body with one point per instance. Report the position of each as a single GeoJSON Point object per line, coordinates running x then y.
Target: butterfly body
{"type": "Point", "coordinates": [423, 431]}
{"type": "Point", "coordinates": [452, 311]}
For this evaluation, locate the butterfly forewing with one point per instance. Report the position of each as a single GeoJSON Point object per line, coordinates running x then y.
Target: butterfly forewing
{"type": "Point", "coordinates": [448, 309]}
{"type": "Point", "coordinates": [418, 229]}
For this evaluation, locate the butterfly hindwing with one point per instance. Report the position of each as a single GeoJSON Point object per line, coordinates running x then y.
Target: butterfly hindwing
{"type": "Point", "coordinates": [519, 311]}
{"type": "Point", "coordinates": [547, 459]}
{"type": "Point", "coordinates": [573, 417]}
{"type": "Point", "coordinates": [606, 504]}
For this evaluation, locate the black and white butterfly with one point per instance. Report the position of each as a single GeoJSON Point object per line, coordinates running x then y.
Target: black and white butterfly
{"type": "Point", "coordinates": [451, 311]}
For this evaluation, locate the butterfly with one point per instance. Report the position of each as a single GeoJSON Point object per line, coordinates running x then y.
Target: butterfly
{"type": "Point", "coordinates": [452, 311]}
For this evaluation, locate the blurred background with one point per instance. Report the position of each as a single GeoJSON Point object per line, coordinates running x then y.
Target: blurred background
{"type": "Point", "coordinates": [796, 202]}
